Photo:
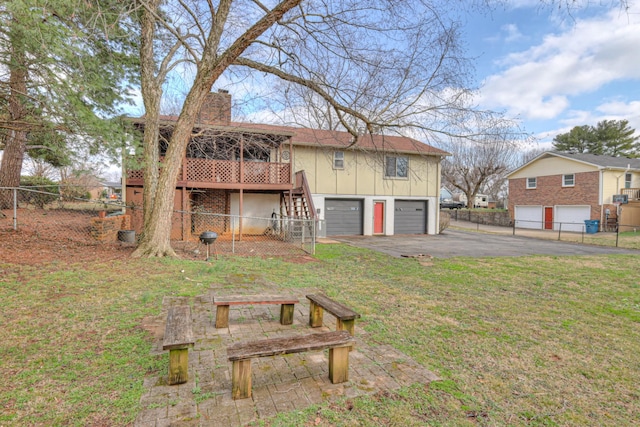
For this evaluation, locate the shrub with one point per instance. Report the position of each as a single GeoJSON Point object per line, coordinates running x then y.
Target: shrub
{"type": "Point", "coordinates": [38, 191]}
{"type": "Point", "coordinates": [445, 220]}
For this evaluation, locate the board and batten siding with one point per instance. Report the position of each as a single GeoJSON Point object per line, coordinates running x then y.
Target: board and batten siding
{"type": "Point", "coordinates": [363, 174]}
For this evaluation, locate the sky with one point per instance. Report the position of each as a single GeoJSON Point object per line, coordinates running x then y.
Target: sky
{"type": "Point", "coordinates": [549, 68]}
{"type": "Point", "coordinates": [553, 71]}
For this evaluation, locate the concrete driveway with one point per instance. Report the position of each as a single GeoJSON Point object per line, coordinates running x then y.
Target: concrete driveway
{"type": "Point", "coordinates": [454, 243]}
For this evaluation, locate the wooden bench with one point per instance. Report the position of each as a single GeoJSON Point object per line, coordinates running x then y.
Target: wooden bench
{"type": "Point", "coordinates": [287, 305]}
{"type": "Point", "coordinates": [338, 343]}
{"type": "Point", "coordinates": [178, 337]}
{"type": "Point", "coordinates": [346, 318]}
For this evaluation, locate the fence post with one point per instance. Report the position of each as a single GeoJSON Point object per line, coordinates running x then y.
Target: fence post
{"type": "Point", "coordinates": [303, 228]}
{"type": "Point", "coordinates": [233, 235]}
{"type": "Point", "coordinates": [617, 234]}
{"type": "Point", "coordinates": [15, 209]}
{"type": "Point", "coordinates": [314, 224]}
{"type": "Point", "coordinates": [559, 230]}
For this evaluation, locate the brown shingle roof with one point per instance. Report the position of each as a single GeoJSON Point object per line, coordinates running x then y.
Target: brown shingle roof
{"type": "Point", "coordinates": [332, 138]}
{"type": "Point", "coordinates": [337, 139]}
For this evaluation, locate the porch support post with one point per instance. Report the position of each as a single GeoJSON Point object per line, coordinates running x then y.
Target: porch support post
{"type": "Point", "coordinates": [241, 198]}
{"type": "Point", "coordinates": [186, 218]}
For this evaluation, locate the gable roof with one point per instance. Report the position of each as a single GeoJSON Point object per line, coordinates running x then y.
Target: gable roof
{"type": "Point", "coordinates": [343, 140]}
{"type": "Point", "coordinates": [324, 138]}
{"type": "Point", "coordinates": [596, 160]}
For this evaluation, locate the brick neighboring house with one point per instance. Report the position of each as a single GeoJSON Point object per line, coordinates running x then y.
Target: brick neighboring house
{"type": "Point", "coordinates": [381, 185]}
{"type": "Point", "coordinates": [560, 189]}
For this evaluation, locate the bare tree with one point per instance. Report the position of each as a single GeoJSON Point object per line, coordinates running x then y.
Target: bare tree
{"type": "Point", "coordinates": [478, 166]}
{"type": "Point", "coordinates": [381, 66]}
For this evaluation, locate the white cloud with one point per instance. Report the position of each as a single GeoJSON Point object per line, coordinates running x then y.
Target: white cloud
{"type": "Point", "coordinates": [512, 33]}
{"type": "Point", "coordinates": [537, 83]}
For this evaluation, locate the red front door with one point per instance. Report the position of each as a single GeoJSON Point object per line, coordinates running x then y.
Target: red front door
{"type": "Point", "coordinates": [378, 217]}
{"type": "Point", "coordinates": [548, 218]}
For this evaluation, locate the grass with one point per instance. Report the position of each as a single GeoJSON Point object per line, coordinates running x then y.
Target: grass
{"type": "Point", "coordinates": [527, 341]}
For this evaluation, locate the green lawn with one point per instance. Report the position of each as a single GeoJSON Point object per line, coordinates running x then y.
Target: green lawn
{"type": "Point", "coordinates": [535, 341]}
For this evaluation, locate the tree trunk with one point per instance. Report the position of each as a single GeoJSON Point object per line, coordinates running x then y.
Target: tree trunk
{"type": "Point", "coordinates": [157, 238]}
{"type": "Point", "coordinates": [150, 244]}
{"type": "Point", "coordinates": [16, 140]}
{"type": "Point", "coordinates": [152, 96]}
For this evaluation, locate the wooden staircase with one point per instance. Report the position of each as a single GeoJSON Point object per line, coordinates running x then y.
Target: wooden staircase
{"type": "Point", "coordinates": [297, 202]}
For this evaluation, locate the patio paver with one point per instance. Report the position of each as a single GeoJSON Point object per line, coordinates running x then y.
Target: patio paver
{"type": "Point", "coordinates": [280, 383]}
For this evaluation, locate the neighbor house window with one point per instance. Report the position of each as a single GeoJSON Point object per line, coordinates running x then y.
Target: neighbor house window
{"type": "Point", "coordinates": [338, 159]}
{"type": "Point", "coordinates": [568, 180]}
{"type": "Point", "coordinates": [532, 182]}
{"type": "Point", "coordinates": [627, 180]}
{"type": "Point", "coordinates": [396, 167]}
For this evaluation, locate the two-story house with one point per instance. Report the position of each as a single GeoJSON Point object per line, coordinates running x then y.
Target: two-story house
{"type": "Point", "coordinates": [562, 190]}
{"type": "Point", "coordinates": [378, 185]}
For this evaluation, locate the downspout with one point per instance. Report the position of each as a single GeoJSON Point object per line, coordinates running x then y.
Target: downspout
{"type": "Point", "coordinates": [601, 197]}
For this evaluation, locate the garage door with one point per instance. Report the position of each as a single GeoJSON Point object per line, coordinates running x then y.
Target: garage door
{"type": "Point", "coordinates": [571, 217]}
{"type": "Point", "coordinates": [528, 217]}
{"type": "Point", "coordinates": [410, 217]}
{"type": "Point", "coordinates": [343, 217]}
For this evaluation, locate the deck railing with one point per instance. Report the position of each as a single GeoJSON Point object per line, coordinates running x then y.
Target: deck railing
{"type": "Point", "coordinates": [632, 193]}
{"type": "Point", "coordinates": [229, 172]}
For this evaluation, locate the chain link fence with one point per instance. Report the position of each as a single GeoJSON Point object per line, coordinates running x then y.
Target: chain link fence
{"type": "Point", "coordinates": [276, 235]}
{"type": "Point", "coordinates": [51, 217]}
{"type": "Point", "coordinates": [591, 232]}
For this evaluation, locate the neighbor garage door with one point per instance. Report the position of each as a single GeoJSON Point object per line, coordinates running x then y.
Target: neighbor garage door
{"type": "Point", "coordinates": [410, 217]}
{"type": "Point", "coordinates": [528, 217]}
{"type": "Point", "coordinates": [343, 217]}
{"type": "Point", "coordinates": [571, 218]}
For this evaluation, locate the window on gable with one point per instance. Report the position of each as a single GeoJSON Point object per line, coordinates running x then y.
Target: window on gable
{"type": "Point", "coordinates": [532, 183]}
{"type": "Point", "coordinates": [627, 180]}
{"type": "Point", "coordinates": [338, 159]}
{"type": "Point", "coordinates": [568, 180]}
{"type": "Point", "coordinates": [396, 167]}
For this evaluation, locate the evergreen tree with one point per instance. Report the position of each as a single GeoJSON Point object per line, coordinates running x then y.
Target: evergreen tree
{"type": "Point", "coordinates": [617, 138]}
{"type": "Point", "coordinates": [67, 63]}
{"type": "Point", "coordinates": [609, 137]}
{"type": "Point", "coordinates": [580, 139]}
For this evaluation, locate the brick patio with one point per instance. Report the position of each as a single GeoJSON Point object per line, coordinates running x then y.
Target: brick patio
{"type": "Point", "coordinates": [280, 383]}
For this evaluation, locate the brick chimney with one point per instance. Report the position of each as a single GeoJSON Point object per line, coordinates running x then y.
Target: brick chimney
{"type": "Point", "coordinates": [216, 109]}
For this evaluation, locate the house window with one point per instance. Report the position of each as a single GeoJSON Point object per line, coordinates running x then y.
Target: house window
{"type": "Point", "coordinates": [338, 159]}
{"type": "Point", "coordinates": [396, 167]}
{"type": "Point", "coordinates": [568, 180]}
{"type": "Point", "coordinates": [532, 182]}
{"type": "Point", "coordinates": [627, 180]}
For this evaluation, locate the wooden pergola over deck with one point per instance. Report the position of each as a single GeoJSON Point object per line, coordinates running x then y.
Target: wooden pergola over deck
{"type": "Point", "coordinates": [229, 157]}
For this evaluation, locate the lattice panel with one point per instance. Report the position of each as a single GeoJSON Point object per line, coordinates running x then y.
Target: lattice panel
{"type": "Point", "coordinates": [256, 172]}
{"type": "Point", "coordinates": [227, 171]}
{"type": "Point", "coordinates": [284, 173]}
{"type": "Point", "coordinates": [200, 170]}
{"type": "Point", "coordinates": [135, 174]}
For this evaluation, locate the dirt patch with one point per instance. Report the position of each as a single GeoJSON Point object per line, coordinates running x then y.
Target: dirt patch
{"type": "Point", "coordinates": [154, 325]}
{"type": "Point", "coordinates": [46, 238]}
{"type": "Point", "coordinates": [300, 259]}
{"type": "Point", "coordinates": [47, 235]}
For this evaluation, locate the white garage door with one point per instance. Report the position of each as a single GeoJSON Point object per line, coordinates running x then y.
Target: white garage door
{"type": "Point", "coordinates": [528, 217]}
{"type": "Point", "coordinates": [571, 217]}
